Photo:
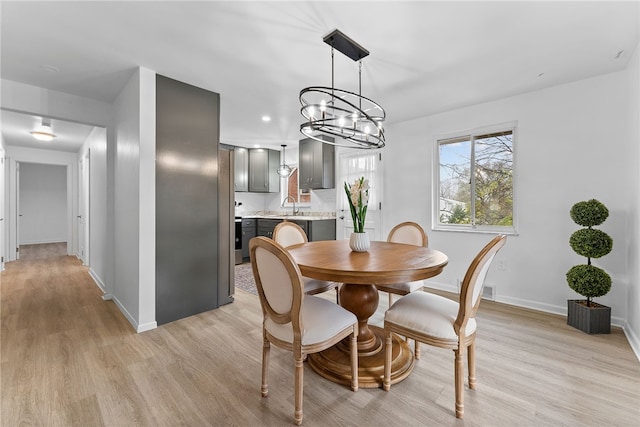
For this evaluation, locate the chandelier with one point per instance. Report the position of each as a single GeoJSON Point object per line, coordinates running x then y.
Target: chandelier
{"type": "Point", "coordinates": [354, 120]}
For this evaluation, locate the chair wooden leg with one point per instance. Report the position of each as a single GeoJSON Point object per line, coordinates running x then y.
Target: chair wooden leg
{"type": "Point", "coordinates": [459, 383]}
{"type": "Point", "coordinates": [386, 382]}
{"type": "Point", "coordinates": [471, 361]}
{"type": "Point", "coordinates": [354, 359]}
{"type": "Point", "coordinates": [416, 345]}
{"type": "Point", "coordinates": [390, 299]}
{"type": "Point", "coordinates": [266, 345]}
{"type": "Point", "coordinates": [299, 378]}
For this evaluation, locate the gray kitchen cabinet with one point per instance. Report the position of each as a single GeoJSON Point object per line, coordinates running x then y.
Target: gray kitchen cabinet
{"type": "Point", "coordinates": [303, 224]}
{"type": "Point", "coordinates": [263, 166]}
{"type": "Point", "coordinates": [241, 164]}
{"type": "Point", "coordinates": [324, 229]}
{"type": "Point", "coordinates": [316, 164]}
{"type": "Point", "coordinates": [248, 233]}
{"type": "Point", "coordinates": [266, 226]}
{"type": "Point", "coordinates": [321, 230]}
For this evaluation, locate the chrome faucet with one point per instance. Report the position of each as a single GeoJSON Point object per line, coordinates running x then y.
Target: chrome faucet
{"type": "Point", "coordinates": [294, 211]}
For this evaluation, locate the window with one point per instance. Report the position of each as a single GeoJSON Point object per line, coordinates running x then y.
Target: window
{"type": "Point", "coordinates": [290, 188]}
{"type": "Point", "coordinates": [475, 181]}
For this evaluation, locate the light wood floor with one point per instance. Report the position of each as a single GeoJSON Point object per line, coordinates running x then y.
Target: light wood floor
{"type": "Point", "coordinates": [41, 251]}
{"type": "Point", "coordinates": [68, 358]}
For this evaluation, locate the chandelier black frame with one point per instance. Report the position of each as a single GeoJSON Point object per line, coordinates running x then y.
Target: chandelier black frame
{"type": "Point", "coordinates": [356, 121]}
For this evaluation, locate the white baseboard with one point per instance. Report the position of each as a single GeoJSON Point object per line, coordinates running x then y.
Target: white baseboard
{"type": "Point", "coordinates": [146, 326]}
{"type": "Point", "coordinates": [125, 312]}
{"type": "Point", "coordinates": [138, 328]}
{"type": "Point", "coordinates": [441, 286]}
{"type": "Point", "coordinates": [519, 302]}
{"type": "Point", "coordinates": [96, 279]}
{"type": "Point", "coordinates": [41, 242]}
{"type": "Point", "coordinates": [633, 339]}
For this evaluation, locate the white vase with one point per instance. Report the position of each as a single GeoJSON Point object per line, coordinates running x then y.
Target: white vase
{"type": "Point", "coordinates": [359, 242]}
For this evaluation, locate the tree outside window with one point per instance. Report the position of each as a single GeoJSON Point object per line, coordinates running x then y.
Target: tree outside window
{"type": "Point", "coordinates": [475, 181]}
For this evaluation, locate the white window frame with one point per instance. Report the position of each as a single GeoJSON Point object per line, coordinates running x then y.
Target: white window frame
{"type": "Point", "coordinates": [473, 228]}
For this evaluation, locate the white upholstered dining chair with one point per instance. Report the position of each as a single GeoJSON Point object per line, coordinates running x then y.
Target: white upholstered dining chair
{"type": "Point", "coordinates": [294, 321]}
{"type": "Point", "coordinates": [409, 233]}
{"type": "Point", "coordinates": [442, 322]}
{"type": "Point", "coordinates": [288, 233]}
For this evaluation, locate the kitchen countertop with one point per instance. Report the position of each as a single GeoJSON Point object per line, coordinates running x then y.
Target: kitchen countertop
{"type": "Point", "coordinates": [290, 217]}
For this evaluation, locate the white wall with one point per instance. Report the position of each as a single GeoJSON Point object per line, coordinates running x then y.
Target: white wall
{"type": "Point", "coordinates": [632, 328]}
{"type": "Point", "coordinates": [3, 203]}
{"type": "Point", "coordinates": [572, 143]}
{"type": "Point", "coordinates": [43, 204]}
{"type": "Point", "coordinates": [96, 146]}
{"type": "Point", "coordinates": [147, 218]}
{"type": "Point", "coordinates": [134, 244]}
{"type": "Point", "coordinates": [57, 105]}
{"type": "Point", "coordinates": [127, 193]}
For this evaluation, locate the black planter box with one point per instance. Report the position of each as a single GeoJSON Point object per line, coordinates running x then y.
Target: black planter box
{"type": "Point", "coordinates": [595, 319]}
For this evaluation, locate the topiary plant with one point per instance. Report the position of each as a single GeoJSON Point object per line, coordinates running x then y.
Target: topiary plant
{"type": "Point", "coordinates": [588, 280]}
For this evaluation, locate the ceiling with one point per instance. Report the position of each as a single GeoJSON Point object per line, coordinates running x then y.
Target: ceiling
{"type": "Point", "coordinates": [16, 127]}
{"type": "Point", "coordinates": [425, 57]}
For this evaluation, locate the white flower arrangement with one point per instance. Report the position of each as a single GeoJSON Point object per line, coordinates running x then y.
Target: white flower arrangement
{"type": "Point", "coordinates": [358, 196]}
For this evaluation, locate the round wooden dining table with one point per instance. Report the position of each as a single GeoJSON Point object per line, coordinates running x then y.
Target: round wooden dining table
{"type": "Point", "coordinates": [383, 264]}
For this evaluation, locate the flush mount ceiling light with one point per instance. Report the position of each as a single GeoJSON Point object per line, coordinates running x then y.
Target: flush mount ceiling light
{"type": "Point", "coordinates": [355, 121]}
{"type": "Point", "coordinates": [44, 131]}
{"type": "Point", "coordinates": [284, 170]}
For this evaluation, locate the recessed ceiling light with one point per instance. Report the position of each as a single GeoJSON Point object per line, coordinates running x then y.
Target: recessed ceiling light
{"type": "Point", "coordinates": [50, 68]}
{"type": "Point", "coordinates": [266, 119]}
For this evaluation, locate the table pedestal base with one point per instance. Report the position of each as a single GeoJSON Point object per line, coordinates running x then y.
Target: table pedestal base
{"type": "Point", "coordinates": [334, 363]}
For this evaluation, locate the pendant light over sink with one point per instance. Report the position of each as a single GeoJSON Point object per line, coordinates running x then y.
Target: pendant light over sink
{"type": "Point", "coordinates": [284, 170]}
{"type": "Point", "coordinates": [352, 119]}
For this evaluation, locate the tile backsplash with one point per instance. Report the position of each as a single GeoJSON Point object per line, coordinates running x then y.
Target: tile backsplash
{"type": "Point", "coordinates": [323, 202]}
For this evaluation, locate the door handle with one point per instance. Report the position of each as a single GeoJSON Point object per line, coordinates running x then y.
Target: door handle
{"type": "Point", "coordinates": [342, 217]}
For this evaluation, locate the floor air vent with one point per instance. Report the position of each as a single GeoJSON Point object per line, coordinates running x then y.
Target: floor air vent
{"type": "Point", "coordinates": [489, 292]}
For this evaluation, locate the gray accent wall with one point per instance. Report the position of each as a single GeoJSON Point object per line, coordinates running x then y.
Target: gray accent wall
{"type": "Point", "coordinates": [187, 139]}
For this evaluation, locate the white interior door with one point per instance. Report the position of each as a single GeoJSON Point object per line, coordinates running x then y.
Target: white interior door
{"type": "Point", "coordinates": [2, 212]}
{"type": "Point", "coordinates": [18, 214]}
{"type": "Point", "coordinates": [353, 164]}
{"type": "Point", "coordinates": [83, 210]}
